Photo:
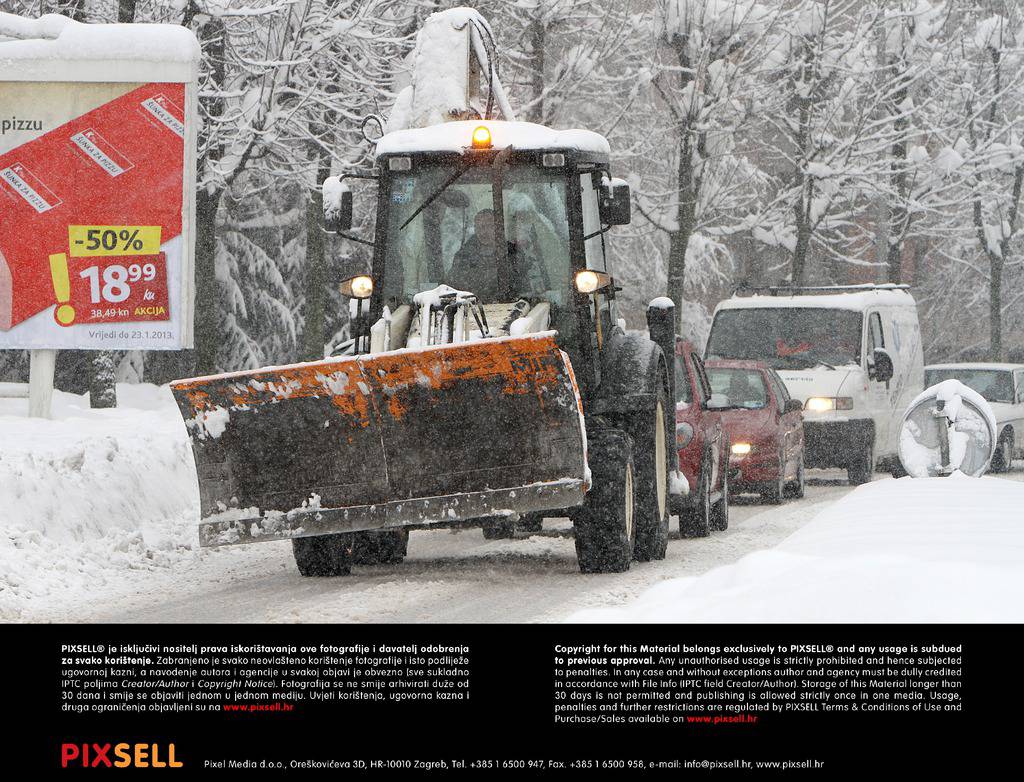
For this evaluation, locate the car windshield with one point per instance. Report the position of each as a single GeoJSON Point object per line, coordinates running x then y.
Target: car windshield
{"type": "Point", "coordinates": [787, 337]}
{"type": "Point", "coordinates": [744, 387]}
{"type": "Point", "coordinates": [452, 239]}
{"type": "Point", "coordinates": [993, 384]}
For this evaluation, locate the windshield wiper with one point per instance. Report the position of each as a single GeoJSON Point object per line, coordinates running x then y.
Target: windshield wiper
{"type": "Point", "coordinates": [447, 183]}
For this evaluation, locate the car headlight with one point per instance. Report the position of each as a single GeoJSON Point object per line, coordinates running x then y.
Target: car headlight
{"type": "Point", "coordinates": [741, 449]}
{"type": "Point", "coordinates": [822, 404]}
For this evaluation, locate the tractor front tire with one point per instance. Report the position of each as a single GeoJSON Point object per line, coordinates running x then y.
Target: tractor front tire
{"type": "Point", "coordinates": [502, 528]}
{"type": "Point", "coordinates": [499, 528]}
{"type": "Point", "coordinates": [649, 430]}
{"type": "Point", "coordinates": [324, 555]}
{"type": "Point", "coordinates": [605, 525]}
{"type": "Point", "coordinates": [530, 523]}
{"type": "Point", "coordinates": [380, 548]}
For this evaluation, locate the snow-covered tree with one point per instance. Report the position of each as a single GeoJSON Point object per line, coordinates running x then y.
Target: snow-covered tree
{"type": "Point", "coordinates": [982, 161]}
{"type": "Point", "coordinates": [908, 56]}
{"type": "Point", "coordinates": [701, 77]}
{"type": "Point", "coordinates": [815, 125]}
{"type": "Point", "coordinates": [285, 88]}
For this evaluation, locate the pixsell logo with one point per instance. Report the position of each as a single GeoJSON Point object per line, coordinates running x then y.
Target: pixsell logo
{"type": "Point", "coordinates": [122, 755]}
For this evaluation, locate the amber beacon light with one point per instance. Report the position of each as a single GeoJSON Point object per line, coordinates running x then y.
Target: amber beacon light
{"type": "Point", "coordinates": [482, 137]}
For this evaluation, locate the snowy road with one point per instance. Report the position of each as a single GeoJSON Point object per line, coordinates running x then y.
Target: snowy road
{"type": "Point", "coordinates": [447, 577]}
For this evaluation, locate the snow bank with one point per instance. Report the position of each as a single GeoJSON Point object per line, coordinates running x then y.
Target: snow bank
{"type": "Point", "coordinates": [90, 492]}
{"type": "Point", "coordinates": [908, 550]}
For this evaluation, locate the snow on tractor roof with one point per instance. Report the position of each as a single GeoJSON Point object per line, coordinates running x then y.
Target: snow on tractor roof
{"type": "Point", "coordinates": [455, 137]}
{"type": "Point", "coordinates": [856, 299]}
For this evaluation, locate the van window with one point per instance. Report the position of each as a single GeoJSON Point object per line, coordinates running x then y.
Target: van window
{"type": "Point", "coordinates": [788, 337]}
{"type": "Point", "coordinates": [875, 332]}
{"type": "Point", "coordinates": [1018, 375]}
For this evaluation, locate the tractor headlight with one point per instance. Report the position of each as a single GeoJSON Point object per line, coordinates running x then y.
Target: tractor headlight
{"type": "Point", "coordinates": [360, 287]}
{"type": "Point", "coordinates": [741, 449]}
{"type": "Point", "coordinates": [590, 281]}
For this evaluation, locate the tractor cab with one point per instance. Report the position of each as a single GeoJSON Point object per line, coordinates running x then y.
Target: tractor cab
{"type": "Point", "coordinates": [488, 229]}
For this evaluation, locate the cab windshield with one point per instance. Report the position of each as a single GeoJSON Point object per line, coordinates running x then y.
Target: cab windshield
{"type": "Point", "coordinates": [452, 240]}
{"type": "Point", "coordinates": [787, 337]}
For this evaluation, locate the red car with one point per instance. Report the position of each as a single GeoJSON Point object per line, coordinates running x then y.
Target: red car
{"type": "Point", "coordinates": [765, 429]}
{"type": "Point", "coordinates": [703, 448]}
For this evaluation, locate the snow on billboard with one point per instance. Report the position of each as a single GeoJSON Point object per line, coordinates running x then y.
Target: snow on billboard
{"type": "Point", "coordinates": [92, 208]}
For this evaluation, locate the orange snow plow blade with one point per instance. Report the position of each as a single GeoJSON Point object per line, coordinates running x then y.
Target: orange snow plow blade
{"type": "Point", "coordinates": [440, 434]}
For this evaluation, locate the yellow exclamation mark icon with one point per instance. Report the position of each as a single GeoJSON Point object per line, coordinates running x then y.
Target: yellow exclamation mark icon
{"type": "Point", "coordinates": [65, 313]}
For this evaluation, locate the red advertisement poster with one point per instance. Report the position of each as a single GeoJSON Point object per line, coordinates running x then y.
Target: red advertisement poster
{"type": "Point", "coordinates": [91, 218]}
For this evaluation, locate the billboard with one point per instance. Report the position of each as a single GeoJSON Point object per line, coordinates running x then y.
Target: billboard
{"type": "Point", "coordinates": [96, 201]}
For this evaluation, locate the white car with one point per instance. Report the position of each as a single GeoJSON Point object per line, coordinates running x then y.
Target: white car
{"type": "Point", "coordinates": [1003, 386]}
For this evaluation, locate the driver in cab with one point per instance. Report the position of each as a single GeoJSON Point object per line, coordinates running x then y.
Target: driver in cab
{"type": "Point", "coordinates": [473, 268]}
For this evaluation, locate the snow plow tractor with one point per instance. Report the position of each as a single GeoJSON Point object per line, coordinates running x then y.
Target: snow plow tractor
{"type": "Point", "coordinates": [491, 369]}
{"type": "Point", "coordinates": [490, 380]}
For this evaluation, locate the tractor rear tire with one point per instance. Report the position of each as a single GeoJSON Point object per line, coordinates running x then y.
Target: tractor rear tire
{"type": "Point", "coordinates": [649, 430]}
{"type": "Point", "coordinates": [605, 525]}
{"type": "Point", "coordinates": [324, 555]}
{"type": "Point", "coordinates": [380, 548]}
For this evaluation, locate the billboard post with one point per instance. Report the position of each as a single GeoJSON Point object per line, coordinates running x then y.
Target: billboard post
{"type": "Point", "coordinates": [97, 186]}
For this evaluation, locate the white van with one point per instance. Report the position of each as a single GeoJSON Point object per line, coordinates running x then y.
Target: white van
{"type": "Point", "coordinates": [851, 354]}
